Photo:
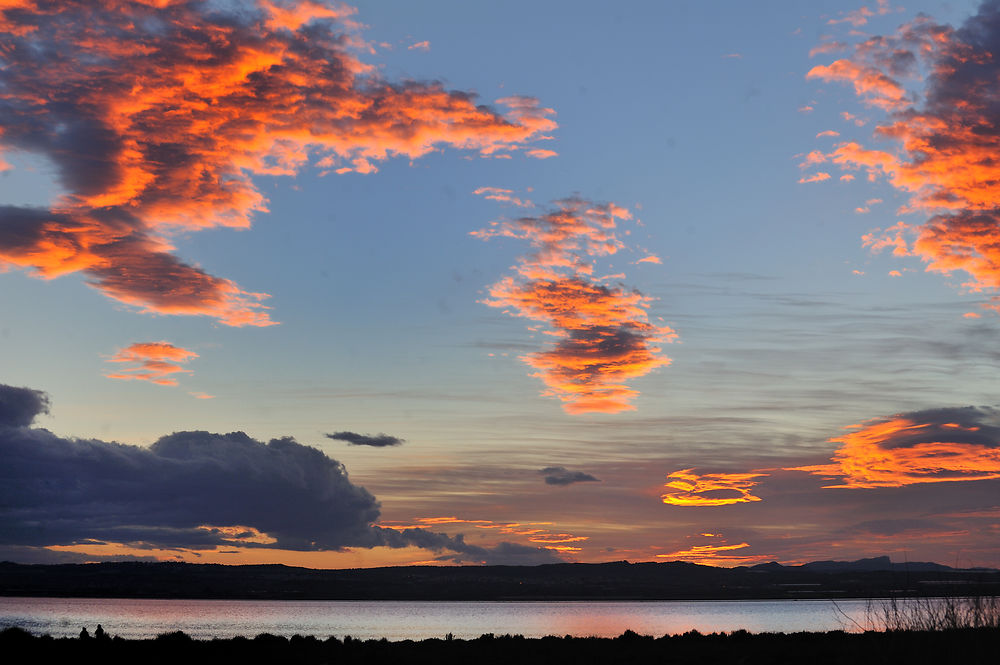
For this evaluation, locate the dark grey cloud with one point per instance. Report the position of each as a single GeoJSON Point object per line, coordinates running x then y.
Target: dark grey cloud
{"type": "Point", "coordinates": [379, 440]}
{"type": "Point", "coordinates": [970, 425]}
{"type": "Point", "coordinates": [189, 490]}
{"type": "Point", "coordinates": [19, 406]}
{"type": "Point", "coordinates": [560, 475]}
{"type": "Point", "coordinates": [505, 554]}
{"type": "Point", "coordinates": [41, 555]}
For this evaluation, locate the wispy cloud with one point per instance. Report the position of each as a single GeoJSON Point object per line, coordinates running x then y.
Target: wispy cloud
{"type": "Point", "coordinates": [157, 116]}
{"type": "Point", "coordinates": [503, 195]}
{"type": "Point", "coordinates": [156, 362]}
{"type": "Point", "coordinates": [859, 17]}
{"type": "Point", "coordinates": [603, 336]}
{"type": "Point", "coordinates": [818, 177]}
{"type": "Point", "coordinates": [687, 488]}
{"type": "Point", "coordinates": [537, 534]}
{"type": "Point", "coordinates": [718, 551]}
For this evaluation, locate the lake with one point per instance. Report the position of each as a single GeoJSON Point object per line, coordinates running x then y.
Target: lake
{"type": "Point", "coordinates": [416, 620]}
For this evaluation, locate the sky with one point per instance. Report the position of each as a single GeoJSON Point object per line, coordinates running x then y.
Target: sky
{"type": "Point", "coordinates": [517, 283]}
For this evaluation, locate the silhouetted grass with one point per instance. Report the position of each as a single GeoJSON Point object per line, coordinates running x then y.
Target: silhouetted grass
{"type": "Point", "coordinates": [965, 646]}
{"type": "Point", "coordinates": [934, 614]}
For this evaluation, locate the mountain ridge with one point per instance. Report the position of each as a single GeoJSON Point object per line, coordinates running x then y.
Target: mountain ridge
{"type": "Point", "coordinates": [622, 580]}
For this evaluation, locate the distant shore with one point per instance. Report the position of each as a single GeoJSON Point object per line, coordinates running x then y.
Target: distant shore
{"type": "Point", "coordinates": [965, 647]}
{"type": "Point", "coordinates": [619, 580]}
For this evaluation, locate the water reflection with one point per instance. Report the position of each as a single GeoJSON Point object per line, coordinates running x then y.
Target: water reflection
{"type": "Point", "coordinates": [399, 620]}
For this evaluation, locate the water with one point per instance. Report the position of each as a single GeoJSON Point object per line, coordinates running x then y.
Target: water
{"type": "Point", "coordinates": [400, 620]}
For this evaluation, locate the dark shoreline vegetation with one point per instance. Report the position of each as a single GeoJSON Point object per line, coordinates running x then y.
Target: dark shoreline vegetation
{"type": "Point", "coordinates": [867, 578]}
{"type": "Point", "coordinates": [960, 646]}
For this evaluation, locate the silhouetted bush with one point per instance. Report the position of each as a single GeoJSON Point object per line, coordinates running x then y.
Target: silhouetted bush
{"type": "Point", "coordinates": [970, 646]}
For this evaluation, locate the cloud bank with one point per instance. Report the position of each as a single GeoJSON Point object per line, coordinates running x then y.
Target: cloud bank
{"type": "Point", "coordinates": [192, 490]}
{"type": "Point", "coordinates": [157, 115]}
{"type": "Point", "coordinates": [603, 335]}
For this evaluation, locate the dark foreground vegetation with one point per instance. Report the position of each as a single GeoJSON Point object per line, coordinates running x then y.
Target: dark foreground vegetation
{"type": "Point", "coordinates": [962, 646]}
{"type": "Point", "coordinates": [620, 580]}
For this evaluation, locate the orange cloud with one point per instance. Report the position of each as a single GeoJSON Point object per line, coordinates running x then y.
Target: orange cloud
{"type": "Point", "coordinates": [860, 16]}
{"type": "Point", "coordinates": [828, 132]}
{"type": "Point", "coordinates": [502, 195]}
{"type": "Point", "coordinates": [652, 258]}
{"type": "Point", "coordinates": [943, 147]}
{"type": "Point", "coordinates": [867, 206]}
{"type": "Point", "coordinates": [686, 488]}
{"type": "Point", "coordinates": [819, 177]}
{"type": "Point", "coordinates": [533, 532]}
{"type": "Point", "coordinates": [155, 362]}
{"type": "Point", "coordinates": [540, 153]}
{"type": "Point", "coordinates": [603, 336]}
{"type": "Point", "coordinates": [943, 445]}
{"type": "Point", "coordinates": [827, 47]}
{"type": "Point", "coordinates": [714, 555]}
{"type": "Point", "coordinates": [239, 535]}
{"type": "Point", "coordinates": [158, 115]}
{"type": "Point", "coordinates": [420, 46]}
{"type": "Point", "coordinates": [814, 157]}
{"type": "Point", "coordinates": [877, 89]}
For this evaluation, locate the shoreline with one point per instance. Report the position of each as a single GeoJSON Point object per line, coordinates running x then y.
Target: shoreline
{"type": "Point", "coordinates": [966, 646]}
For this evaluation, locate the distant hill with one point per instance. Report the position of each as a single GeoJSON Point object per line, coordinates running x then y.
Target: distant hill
{"type": "Point", "coordinates": [878, 563]}
{"type": "Point", "coordinates": [867, 578]}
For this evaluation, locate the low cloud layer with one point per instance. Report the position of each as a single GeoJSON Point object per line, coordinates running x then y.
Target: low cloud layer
{"type": "Point", "coordinates": [157, 115]}
{"type": "Point", "coordinates": [540, 534]}
{"type": "Point", "coordinates": [560, 475]}
{"type": "Point", "coordinates": [372, 440]}
{"type": "Point", "coordinates": [933, 446]}
{"type": "Point", "coordinates": [190, 490]}
{"type": "Point", "coordinates": [156, 362]}
{"type": "Point", "coordinates": [943, 131]}
{"type": "Point", "coordinates": [603, 336]}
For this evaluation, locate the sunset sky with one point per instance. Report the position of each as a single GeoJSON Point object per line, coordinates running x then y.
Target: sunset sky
{"type": "Point", "coordinates": [461, 282]}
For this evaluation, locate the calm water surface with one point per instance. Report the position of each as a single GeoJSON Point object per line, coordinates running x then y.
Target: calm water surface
{"type": "Point", "coordinates": [400, 620]}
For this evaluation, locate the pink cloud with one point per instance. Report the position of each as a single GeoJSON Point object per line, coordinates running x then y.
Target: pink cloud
{"type": "Point", "coordinates": [818, 177]}
{"type": "Point", "coordinates": [156, 362]}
